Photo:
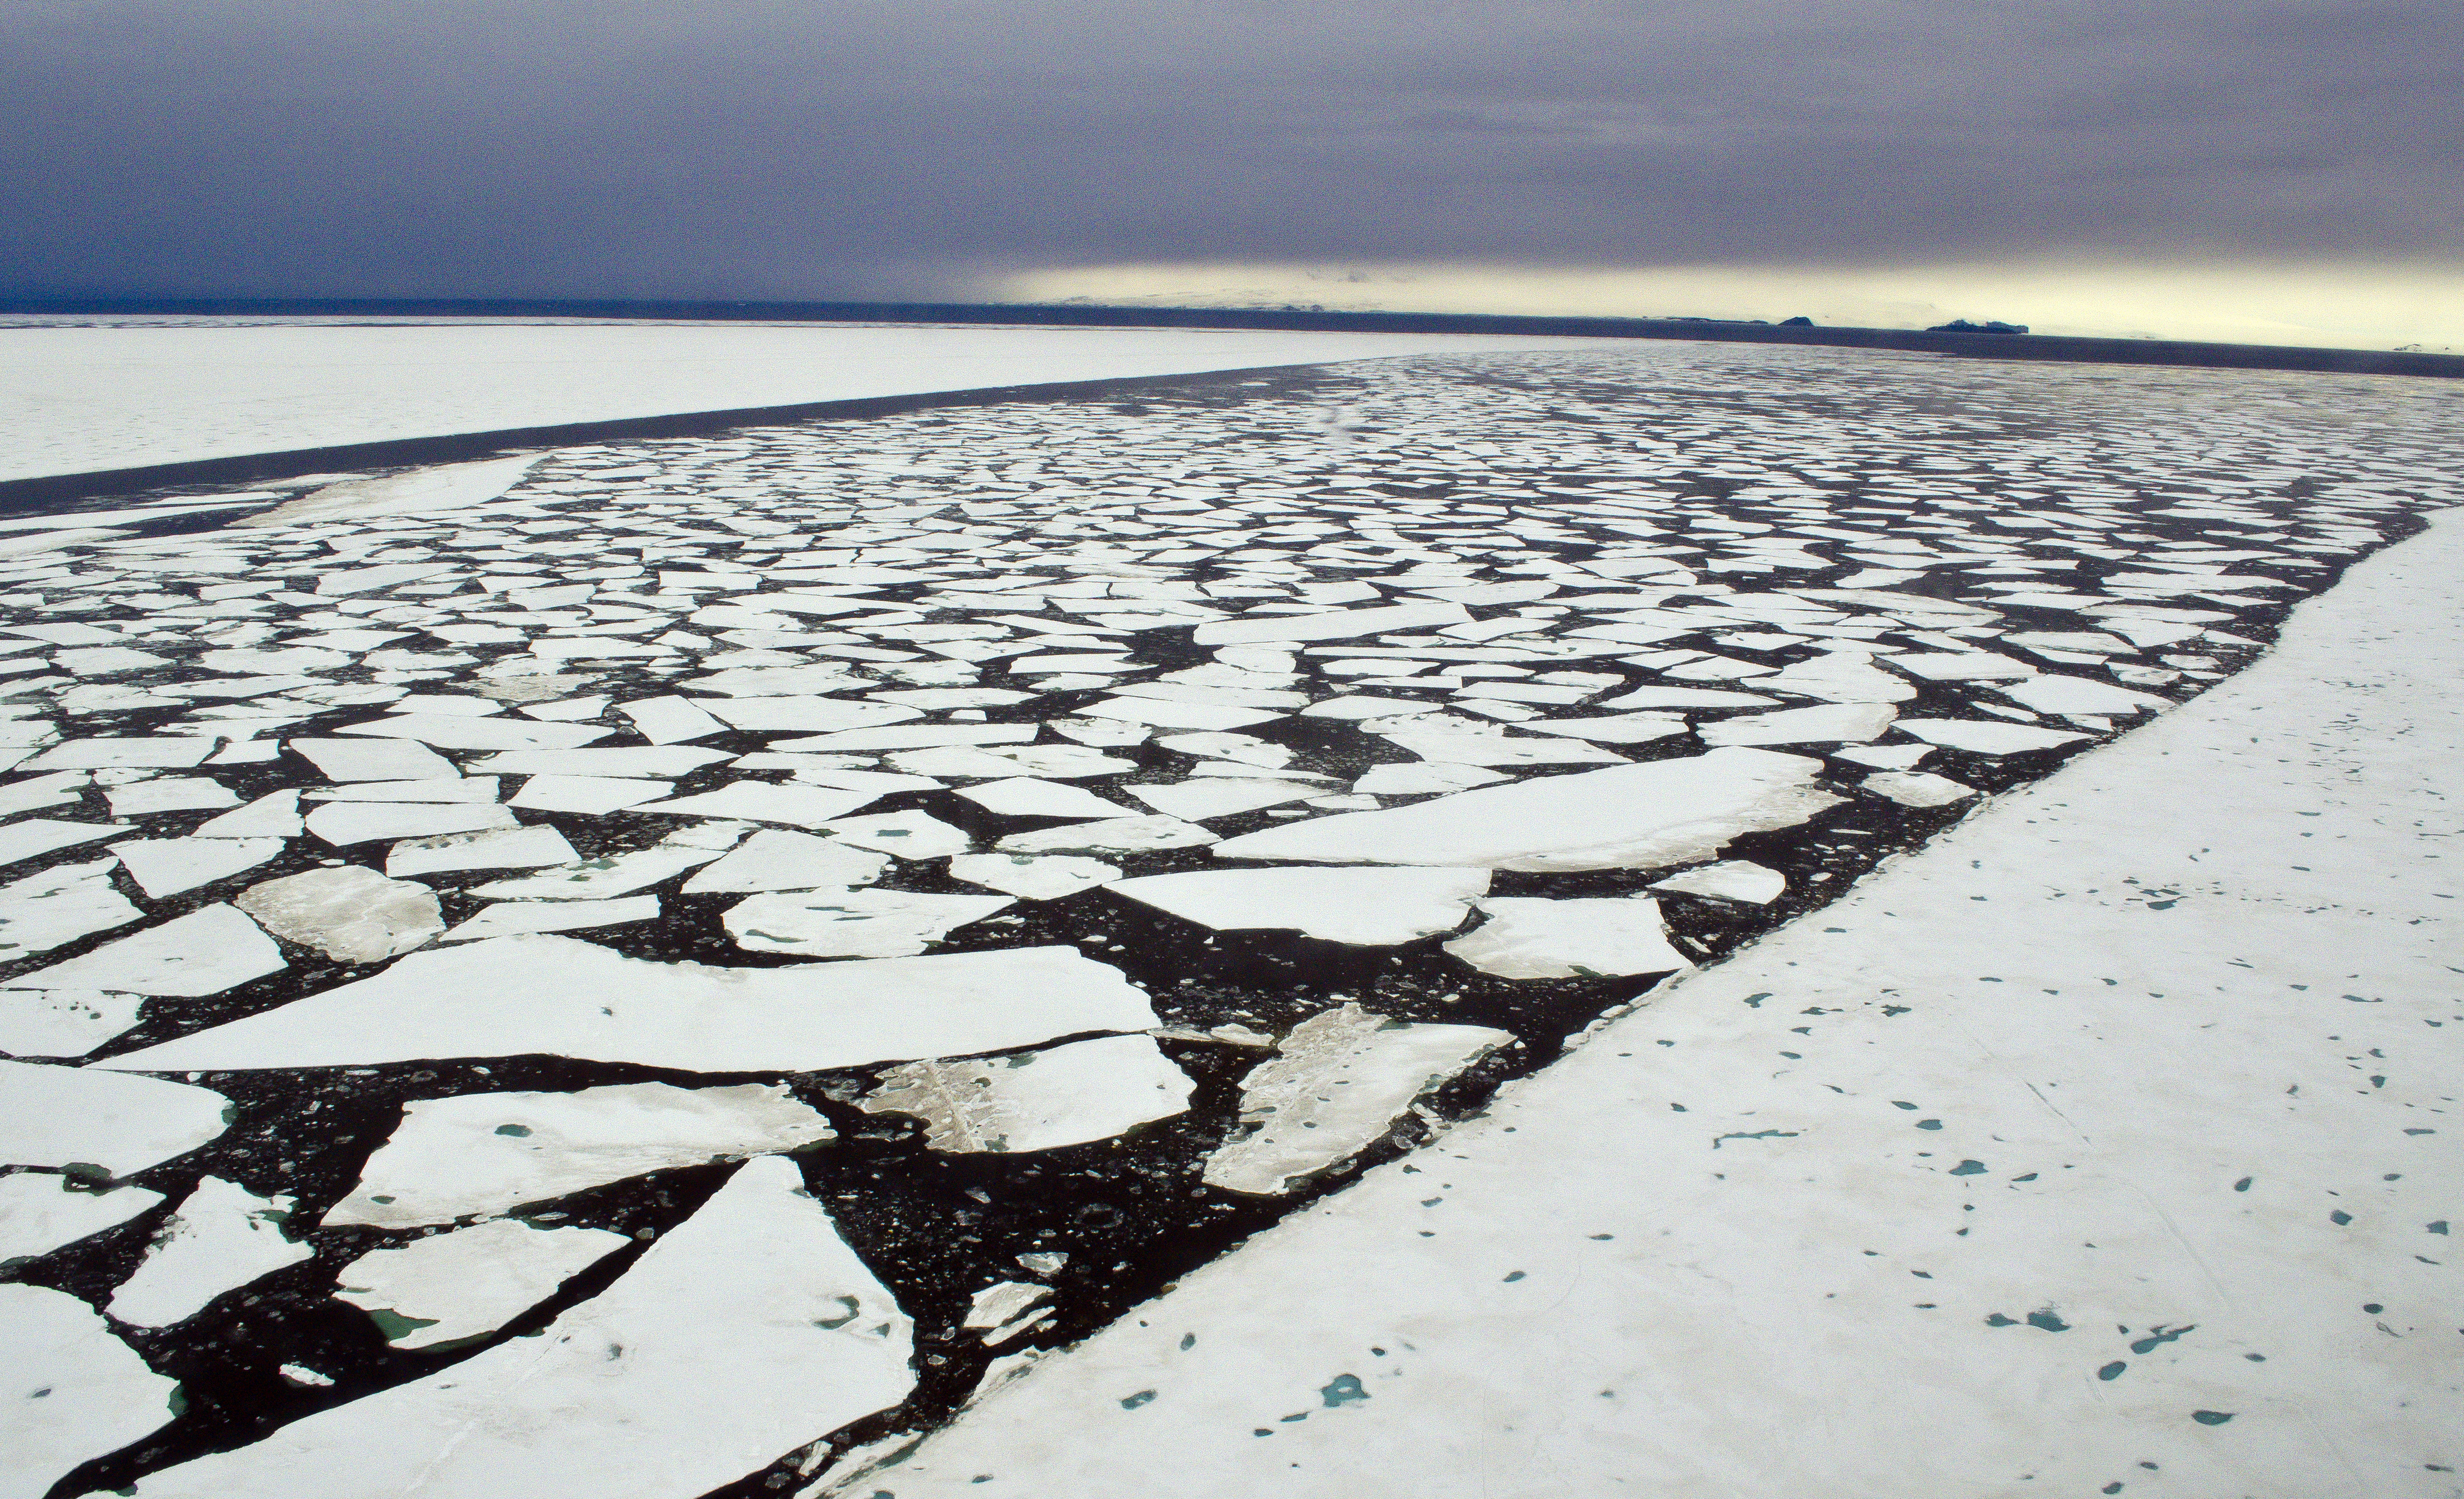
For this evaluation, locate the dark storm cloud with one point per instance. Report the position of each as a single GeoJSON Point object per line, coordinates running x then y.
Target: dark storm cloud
{"type": "Point", "coordinates": [752, 147]}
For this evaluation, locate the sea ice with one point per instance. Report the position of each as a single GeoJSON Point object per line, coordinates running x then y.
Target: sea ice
{"type": "Point", "coordinates": [78, 1392]}
{"type": "Point", "coordinates": [40, 835]}
{"type": "Point", "coordinates": [1023, 796]}
{"type": "Point", "coordinates": [63, 1022]}
{"type": "Point", "coordinates": [343, 823]}
{"type": "Point", "coordinates": [373, 760]}
{"type": "Point", "coordinates": [760, 802]}
{"type": "Point", "coordinates": [1368, 907]}
{"type": "Point", "coordinates": [1201, 797]}
{"type": "Point", "coordinates": [1979, 738]}
{"type": "Point", "coordinates": [1030, 878]}
{"type": "Point", "coordinates": [1336, 1084]}
{"type": "Point", "coordinates": [1730, 879]}
{"type": "Point", "coordinates": [2070, 694]}
{"type": "Point", "coordinates": [40, 1212]}
{"type": "Point", "coordinates": [1918, 789]}
{"type": "Point", "coordinates": [1670, 811]}
{"type": "Point", "coordinates": [514, 918]}
{"type": "Point", "coordinates": [483, 1154]}
{"type": "Point", "coordinates": [72, 1116]}
{"type": "Point", "coordinates": [590, 796]}
{"type": "Point", "coordinates": [1835, 723]}
{"type": "Point", "coordinates": [452, 1288]}
{"type": "Point", "coordinates": [1036, 1100]}
{"type": "Point", "coordinates": [204, 952]}
{"type": "Point", "coordinates": [1118, 835]}
{"type": "Point", "coordinates": [616, 873]}
{"type": "Point", "coordinates": [490, 849]}
{"type": "Point", "coordinates": [776, 859]}
{"type": "Point", "coordinates": [347, 911]}
{"type": "Point", "coordinates": [746, 1332]}
{"type": "Point", "coordinates": [1525, 939]}
{"type": "Point", "coordinates": [554, 996]}
{"type": "Point", "coordinates": [61, 904]}
{"type": "Point", "coordinates": [222, 1237]}
{"type": "Point", "coordinates": [852, 923]}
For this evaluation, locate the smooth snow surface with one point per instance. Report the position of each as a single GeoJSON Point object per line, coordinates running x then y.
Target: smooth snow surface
{"type": "Point", "coordinates": [485, 1154]}
{"type": "Point", "coordinates": [749, 1330]}
{"type": "Point", "coordinates": [76, 398]}
{"type": "Point", "coordinates": [2098, 1148]}
{"type": "Point", "coordinates": [73, 1117]}
{"type": "Point", "coordinates": [39, 1211]}
{"type": "Point", "coordinates": [577, 999]}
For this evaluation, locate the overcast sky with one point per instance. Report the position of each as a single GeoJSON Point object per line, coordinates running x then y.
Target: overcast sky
{"type": "Point", "coordinates": [829, 149]}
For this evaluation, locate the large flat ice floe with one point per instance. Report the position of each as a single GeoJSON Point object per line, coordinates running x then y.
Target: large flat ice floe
{"type": "Point", "coordinates": [1672, 812]}
{"type": "Point", "coordinates": [74, 1389]}
{"type": "Point", "coordinates": [749, 1330]}
{"type": "Point", "coordinates": [559, 996]}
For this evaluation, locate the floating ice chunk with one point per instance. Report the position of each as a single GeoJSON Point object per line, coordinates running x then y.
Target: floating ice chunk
{"type": "Point", "coordinates": [1423, 778]}
{"type": "Point", "coordinates": [748, 1330]}
{"type": "Point", "coordinates": [40, 835]}
{"type": "Point", "coordinates": [1884, 757]}
{"type": "Point", "coordinates": [161, 752]}
{"type": "Point", "coordinates": [1631, 728]}
{"type": "Point", "coordinates": [420, 492]}
{"type": "Point", "coordinates": [450, 731]}
{"type": "Point", "coordinates": [69, 785]}
{"type": "Point", "coordinates": [452, 1288]}
{"type": "Point", "coordinates": [761, 801]}
{"type": "Point", "coordinates": [440, 788]}
{"type": "Point", "coordinates": [1337, 1083]}
{"type": "Point", "coordinates": [1102, 731]}
{"type": "Point", "coordinates": [852, 923]}
{"type": "Point", "coordinates": [588, 795]}
{"type": "Point", "coordinates": [62, 1022]}
{"type": "Point", "coordinates": [1831, 724]}
{"type": "Point", "coordinates": [347, 911]}
{"type": "Point", "coordinates": [67, 1116]}
{"type": "Point", "coordinates": [1460, 741]}
{"type": "Point", "coordinates": [558, 997]}
{"type": "Point", "coordinates": [1689, 697]}
{"type": "Point", "coordinates": [1336, 625]}
{"type": "Point", "coordinates": [1961, 665]}
{"type": "Point", "coordinates": [773, 859]}
{"type": "Point", "coordinates": [1917, 789]}
{"type": "Point", "coordinates": [1369, 907]}
{"type": "Point", "coordinates": [640, 761]}
{"type": "Point", "coordinates": [1162, 713]}
{"type": "Point", "coordinates": [669, 720]}
{"type": "Point", "coordinates": [1671, 811]}
{"type": "Point", "coordinates": [815, 713]}
{"type": "Point", "coordinates": [1057, 762]}
{"type": "Point", "coordinates": [1841, 676]}
{"type": "Point", "coordinates": [2080, 695]}
{"type": "Point", "coordinates": [76, 1393]}
{"type": "Point", "coordinates": [1569, 938]}
{"type": "Point", "coordinates": [61, 904]}
{"type": "Point", "coordinates": [374, 760]}
{"type": "Point", "coordinates": [1730, 879]}
{"type": "Point", "coordinates": [1118, 835]}
{"type": "Point", "coordinates": [40, 1212]}
{"type": "Point", "coordinates": [272, 815]}
{"type": "Point", "coordinates": [1029, 877]}
{"type": "Point", "coordinates": [1986, 739]}
{"type": "Point", "coordinates": [204, 952]}
{"type": "Point", "coordinates": [343, 823]}
{"type": "Point", "coordinates": [221, 1238]}
{"type": "Point", "coordinates": [1247, 749]}
{"type": "Point", "coordinates": [490, 848]}
{"type": "Point", "coordinates": [1022, 796]}
{"type": "Point", "coordinates": [1207, 797]}
{"type": "Point", "coordinates": [909, 835]}
{"type": "Point", "coordinates": [618, 874]}
{"type": "Point", "coordinates": [169, 794]}
{"type": "Point", "coordinates": [917, 736]}
{"type": "Point", "coordinates": [1036, 1100]}
{"type": "Point", "coordinates": [481, 1154]}
{"type": "Point", "coordinates": [513, 917]}
{"type": "Point", "coordinates": [1002, 1311]}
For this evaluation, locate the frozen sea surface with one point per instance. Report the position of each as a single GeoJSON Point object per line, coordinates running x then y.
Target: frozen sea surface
{"type": "Point", "coordinates": [806, 741]}
{"type": "Point", "coordinates": [79, 400]}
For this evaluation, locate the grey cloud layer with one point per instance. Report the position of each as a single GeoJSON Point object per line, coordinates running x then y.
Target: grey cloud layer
{"type": "Point", "coordinates": [758, 148]}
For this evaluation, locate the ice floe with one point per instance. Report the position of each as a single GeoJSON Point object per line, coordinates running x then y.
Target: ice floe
{"type": "Point", "coordinates": [1528, 938]}
{"type": "Point", "coordinates": [452, 1288]}
{"type": "Point", "coordinates": [78, 1392]}
{"type": "Point", "coordinates": [484, 1155]}
{"type": "Point", "coordinates": [1036, 1100]}
{"type": "Point", "coordinates": [40, 1212]}
{"type": "Point", "coordinates": [61, 904]}
{"type": "Point", "coordinates": [348, 912]}
{"type": "Point", "coordinates": [1370, 907]}
{"type": "Point", "coordinates": [852, 923]}
{"type": "Point", "coordinates": [204, 952]}
{"type": "Point", "coordinates": [221, 1237]}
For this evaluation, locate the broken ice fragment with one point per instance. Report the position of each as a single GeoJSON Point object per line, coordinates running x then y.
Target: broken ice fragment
{"type": "Point", "coordinates": [204, 952]}
{"type": "Point", "coordinates": [1036, 1100]}
{"type": "Point", "coordinates": [554, 996]}
{"type": "Point", "coordinates": [1730, 879]}
{"type": "Point", "coordinates": [220, 1239]}
{"type": "Point", "coordinates": [590, 796]}
{"type": "Point", "coordinates": [852, 923]}
{"type": "Point", "coordinates": [1003, 1311]}
{"type": "Point", "coordinates": [1338, 1082]}
{"type": "Point", "coordinates": [61, 904]}
{"type": "Point", "coordinates": [343, 823]}
{"type": "Point", "coordinates": [748, 1330]}
{"type": "Point", "coordinates": [906, 835]}
{"type": "Point", "coordinates": [481, 1154]}
{"type": "Point", "coordinates": [490, 849]}
{"type": "Point", "coordinates": [168, 794]}
{"type": "Point", "coordinates": [1202, 798]}
{"type": "Point", "coordinates": [1526, 938]}
{"type": "Point", "coordinates": [1831, 724]}
{"type": "Point", "coordinates": [1918, 789]}
{"type": "Point", "coordinates": [347, 911]}
{"type": "Point", "coordinates": [74, 1392]}
{"type": "Point", "coordinates": [1023, 796]}
{"type": "Point", "coordinates": [513, 917]}
{"type": "Point", "coordinates": [1030, 878]}
{"type": "Point", "coordinates": [1670, 811]}
{"type": "Point", "coordinates": [63, 1022]}
{"type": "Point", "coordinates": [760, 802]}
{"type": "Point", "coordinates": [168, 866]}
{"type": "Point", "coordinates": [41, 835]}
{"type": "Point", "coordinates": [1370, 907]}
{"type": "Point", "coordinates": [616, 873]}
{"type": "Point", "coordinates": [1114, 836]}
{"type": "Point", "coordinates": [448, 1288]}
{"type": "Point", "coordinates": [776, 859]}
{"type": "Point", "coordinates": [81, 1116]}
{"type": "Point", "coordinates": [1986, 739]}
